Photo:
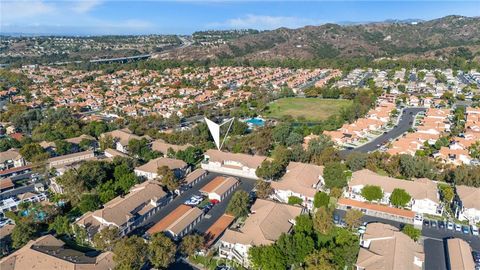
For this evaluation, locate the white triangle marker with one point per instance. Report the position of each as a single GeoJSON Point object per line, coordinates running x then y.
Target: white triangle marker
{"type": "Point", "coordinates": [214, 129]}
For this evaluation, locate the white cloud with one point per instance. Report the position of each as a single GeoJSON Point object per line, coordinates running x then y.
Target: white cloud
{"type": "Point", "coordinates": [84, 6]}
{"type": "Point", "coordinates": [264, 22]}
{"type": "Point", "coordinates": [18, 10]}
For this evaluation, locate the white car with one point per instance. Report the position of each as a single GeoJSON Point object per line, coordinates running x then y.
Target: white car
{"type": "Point", "coordinates": [450, 225]}
{"type": "Point", "coordinates": [474, 230]}
{"type": "Point", "coordinates": [458, 228]}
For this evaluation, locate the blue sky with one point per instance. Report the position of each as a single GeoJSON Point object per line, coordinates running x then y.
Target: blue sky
{"type": "Point", "coordinates": [93, 17]}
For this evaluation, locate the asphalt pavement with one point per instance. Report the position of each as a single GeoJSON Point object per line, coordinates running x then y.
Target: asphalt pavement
{"type": "Point", "coordinates": [215, 213]}
{"type": "Point", "coordinates": [406, 121]}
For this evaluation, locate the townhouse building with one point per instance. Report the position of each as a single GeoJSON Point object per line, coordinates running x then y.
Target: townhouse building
{"type": "Point", "coordinates": [128, 211]}
{"type": "Point", "coordinates": [300, 180]}
{"type": "Point", "coordinates": [468, 203]}
{"type": "Point", "coordinates": [241, 165]}
{"type": "Point", "coordinates": [383, 246]}
{"type": "Point", "coordinates": [48, 252]}
{"type": "Point", "coordinates": [267, 221]}
{"type": "Point", "coordinates": [149, 169]}
{"type": "Point", "coordinates": [424, 193]}
{"type": "Point", "coordinates": [11, 159]}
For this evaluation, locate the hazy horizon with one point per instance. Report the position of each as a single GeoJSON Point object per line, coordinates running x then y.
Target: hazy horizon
{"type": "Point", "coordinates": [104, 17]}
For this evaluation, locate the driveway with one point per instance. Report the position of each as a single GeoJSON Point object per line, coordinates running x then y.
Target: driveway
{"type": "Point", "coordinates": [406, 121]}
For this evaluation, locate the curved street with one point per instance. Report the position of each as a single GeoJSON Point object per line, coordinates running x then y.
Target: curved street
{"type": "Point", "coordinates": [405, 123]}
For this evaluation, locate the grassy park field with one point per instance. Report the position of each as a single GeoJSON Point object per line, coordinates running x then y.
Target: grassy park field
{"type": "Point", "coordinates": [311, 109]}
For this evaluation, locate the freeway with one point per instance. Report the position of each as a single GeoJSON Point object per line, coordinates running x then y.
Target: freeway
{"type": "Point", "coordinates": [405, 123]}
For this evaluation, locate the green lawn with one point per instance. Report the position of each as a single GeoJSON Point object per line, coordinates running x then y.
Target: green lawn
{"type": "Point", "coordinates": [312, 109]}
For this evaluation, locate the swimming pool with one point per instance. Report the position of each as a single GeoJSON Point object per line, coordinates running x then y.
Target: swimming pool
{"type": "Point", "coordinates": [255, 122]}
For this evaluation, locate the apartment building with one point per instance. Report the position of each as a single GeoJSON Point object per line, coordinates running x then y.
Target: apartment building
{"type": "Point", "coordinates": [128, 211]}
{"type": "Point", "coordinates": [267, 221]}
{"type": "Point", "coordinates": [300, 180]}
{"type": "Point", "coordinates": [241, 165]}
{"type": "Point", "coordinates": [163, 147]}
{"type": "Point", "coordinates": [424, 193]}
{"type": "Point", "coordinates": [385, 247]}
{"type": "Point", "coordinates": [122, 137]}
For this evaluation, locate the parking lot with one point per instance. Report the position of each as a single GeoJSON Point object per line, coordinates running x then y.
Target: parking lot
{"type": "Point", "coordinates": [211, 216]}
{"type": "Point", "coordinates": [433, 240]}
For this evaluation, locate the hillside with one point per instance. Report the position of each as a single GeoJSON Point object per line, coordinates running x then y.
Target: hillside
{"type": "Point", "coordinates": [430, 39]}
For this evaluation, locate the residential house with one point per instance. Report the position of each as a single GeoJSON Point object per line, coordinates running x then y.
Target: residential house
{"type": "Point", "coordinates": [267, 221]}
{"type": "Point", "coordinates": [241, 165]}
{"type": "Point", "coordinates": [383, 246]}
{"type": "Point", "coordinates": [48, 252]}
{"type": "Point", "coordinates": [301, 180]}
{"type": "Point", "coordinates": [65, 160]}
{"type": "Point", "coordinates": [424, 193]}
{"type": "Point", "coordinates": [149, 170]}
{"type": "Point", "coordinates": [128, 211]}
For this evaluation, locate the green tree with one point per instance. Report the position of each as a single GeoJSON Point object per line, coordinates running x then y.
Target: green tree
{"type": "Point", "coordinates": [322, 221]}
{"type": "Point", "coordinates": [295, 200]}
{"type": "Point", "coordinates": [447, 193]}
{"type": "Point", "coordinates": [304, 224]}
{"type": "Point", "coordinates": [399, 197]}
{"type": "Point", "coordinates": [106, 238]}
{"type": "Point", "coordinates": [263, 189]}
{"type": "Point", "coordinates": [130, 253]}
{"type": "Point", "coordinates": [106, 142]}
{"type": "Point", "coordinates": [22, 233]}
{"type": "Point", "coordinates": [89, 202]}
{"type": "Point", "coordinates": [162, 250]}
{"type": "Point", "coordinates": [267, 257]}
{"type": "Point", "coordinates": [192, 243]}
{"type": "Point", "coordinates": [168, 178]}
{"type": "Point", "coordinates": [356, 161]}
{"type": "Point", "coordinates": [238, 205]}
{"type": "Point", "coordinates": [320, 260]}
{"type": "Point", "coordinates": [61, 225]}
{"type": "Point", "coordinates": [30, 150]}
{"type": "Point", "coordinates": [353, 218]}
{"type": "Point", "coordinates": [372, 193]}
{"type": "Point", "coordinates": [63, 147]}
{"type": "Point", "coordinates": [335, 175]}
{"type": "Point", "coordinates": [413, 233]}
{"type": "Point", "coordinates": [321, 199]}
{"type": "Point", "coordinates": [270, 170]}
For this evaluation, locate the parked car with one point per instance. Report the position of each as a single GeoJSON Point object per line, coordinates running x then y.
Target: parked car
{"type": "Point", "coordinates": [458, 228]}
{"type": "Point", "coordinates": [433, 223]}
{"type": "Point", "coordinates": [336, 219]}
{"type": "Point", "coordinates": [474, 230]}
{"type": "Point", "coordinates": [441, 224]}
{"type": "Point", "coordinates": [466, 229]}
{"type": "Point", "coordinates": [426, 223]}
{"type": "Point", "coordinates": [450, 225]}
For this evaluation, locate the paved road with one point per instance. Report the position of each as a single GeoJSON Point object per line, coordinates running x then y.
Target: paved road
{"type": "Point", "coordinates": [212, 216]}
{"type": "Point", "coordinates": [219, 209]}
{"type": "Point", "coordinates": [433, 241]}
{"type": "Point", "coordinates": [403, 125]}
